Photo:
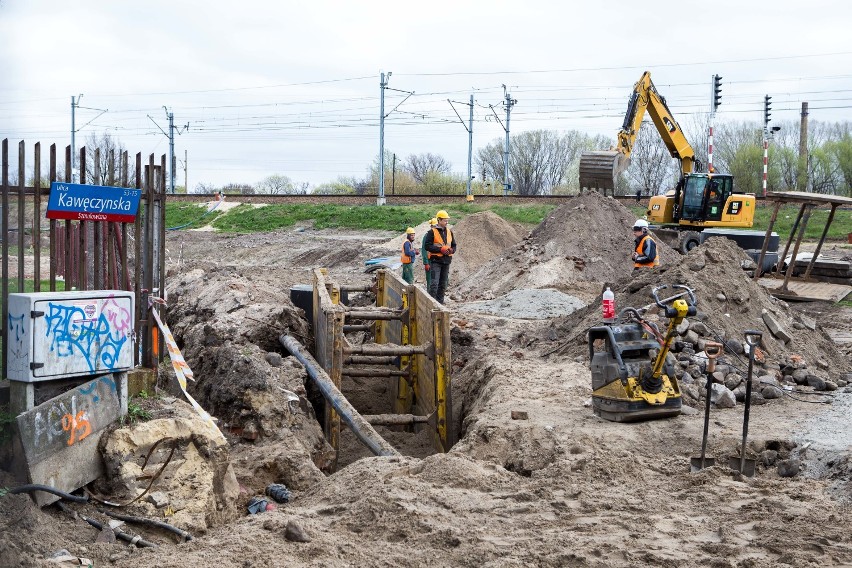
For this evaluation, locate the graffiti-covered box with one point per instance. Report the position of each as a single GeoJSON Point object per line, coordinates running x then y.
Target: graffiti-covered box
{"type": "Point", "coordinates": [68, 334]}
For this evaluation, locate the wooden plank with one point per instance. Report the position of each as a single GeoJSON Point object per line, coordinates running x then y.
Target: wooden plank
{"type": "Point", "coordinates": [806, 291]}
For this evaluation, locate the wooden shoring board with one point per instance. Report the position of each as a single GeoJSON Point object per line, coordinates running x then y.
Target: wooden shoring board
{"type": "Point", "coordinates": [806, 291]}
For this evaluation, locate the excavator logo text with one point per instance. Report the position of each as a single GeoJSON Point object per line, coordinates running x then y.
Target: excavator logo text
{"type": "Point", "coordinates": [669, 124]}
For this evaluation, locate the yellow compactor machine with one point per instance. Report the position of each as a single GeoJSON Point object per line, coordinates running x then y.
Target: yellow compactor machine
{"type": "Point", "coordinates": [630, 378]}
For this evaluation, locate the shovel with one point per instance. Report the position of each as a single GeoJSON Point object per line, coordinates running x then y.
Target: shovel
{"type": "Point", "coordinates": [712, 350]}
{"type": "Point", "coordinates": [741, 464]}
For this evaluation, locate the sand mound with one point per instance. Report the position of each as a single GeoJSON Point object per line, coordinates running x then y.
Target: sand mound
{"type": "Point", "coordinates": [482, 237]}
{"type": "Point", "coordinates": [582, 243]}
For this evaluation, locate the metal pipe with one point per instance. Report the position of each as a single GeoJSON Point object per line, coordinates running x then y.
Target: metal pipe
{"type": "Point", "coordinates": [354, 328]}
{"type": "Point", "coordinates": [374, 314]}
{"type": "Point", "coordinates": [364, 360]}
{"type": "Point", "coordinates": [383, 349]}
{"type": "Point", "coordinates": [357, 424]}
{"type": "Point", "coordinates": [353, 372]}
{"type": "Point", "coordinates": [395, 419]}
{"type": "Point", "coordinates": [356, 288]}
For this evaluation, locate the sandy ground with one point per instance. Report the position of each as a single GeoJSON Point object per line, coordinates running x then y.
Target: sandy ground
{"type": "Point", "coordinates": [560, 488]}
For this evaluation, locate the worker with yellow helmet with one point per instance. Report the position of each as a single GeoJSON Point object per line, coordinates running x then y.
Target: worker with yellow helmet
{"type": "Point", "coordinates": [424, 254]}
{"type": "Point", "coordinates": [409, 253]}
{"type": "Point", "coordinates": [441, 245]}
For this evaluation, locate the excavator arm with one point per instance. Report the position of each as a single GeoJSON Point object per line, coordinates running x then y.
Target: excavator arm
{"type": "Point", "coordinates": [600, 169]}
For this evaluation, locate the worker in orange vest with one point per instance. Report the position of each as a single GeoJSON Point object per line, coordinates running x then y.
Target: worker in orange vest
{"type": "Point", "coordinates": [441, 245]}
{"type": "Point", "coordinates": [409, 253]}
{"type": "Point", "coordinates": [644, 247]}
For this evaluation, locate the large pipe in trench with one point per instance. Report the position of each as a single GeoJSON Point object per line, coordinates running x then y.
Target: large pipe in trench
{"type": "Point", "coordinates": [357, 424]}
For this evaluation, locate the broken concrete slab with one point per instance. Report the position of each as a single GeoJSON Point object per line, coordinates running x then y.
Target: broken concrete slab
{"type": "Point", "coordinates": [775, 327]}
{"type": "Point", "coordinates": [59, 438]}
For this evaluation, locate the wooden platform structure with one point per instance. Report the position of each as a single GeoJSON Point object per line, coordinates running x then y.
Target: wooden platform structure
{"type": "Point", "coordinates": [782, 288]}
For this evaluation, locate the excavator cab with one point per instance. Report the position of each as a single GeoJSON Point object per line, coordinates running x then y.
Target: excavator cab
{"type": "Point", "coordinates": [704, 196]}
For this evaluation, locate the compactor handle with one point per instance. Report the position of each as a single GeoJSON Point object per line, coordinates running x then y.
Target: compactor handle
{"type": "Point", "coordinates": [671, 312]}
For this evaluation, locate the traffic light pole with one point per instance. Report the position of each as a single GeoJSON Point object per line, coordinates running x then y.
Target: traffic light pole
{"type": "Point", "coordinates": [715, 101]}
{"type": "Point", "coordinates": [766, 114]}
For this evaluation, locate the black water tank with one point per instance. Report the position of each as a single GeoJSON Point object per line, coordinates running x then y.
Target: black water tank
{"type": "Point", "coordinates": [745, 239]}
{"type": "Point", "coordinates": [302, 296]}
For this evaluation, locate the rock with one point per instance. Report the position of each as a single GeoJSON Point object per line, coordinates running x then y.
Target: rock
{"type": "Point", "coordinates": [800, 376]}
{"type": "Point", "coordinates": [722, 397]}
{"type": "Point", "coordinates": [748, 264]}
{"type": "Point", "coordinates": [768, 457]}
{"type": "Point", "coordinates": [830, 385]}
{"type": "Point", "coordinates": [847, 377]}
{"type": "Point", "coordinates": [841, 383]}
{"type": "Point", "coordinates": [520, 415]}
{"type": "Point", "coordinates": [809, 323]}
{"type": "Point", "coordinates": [767, 380]}
{"type": "Point", "coordinates": [721, 297]}
{"type": "Point", "coordinates": [739, 393]}
{"type": "Point", "coordinates": [700, 328]}
{"type": "Point", "coordinates": [695, 371]}
{"type": "Point", "coordinates": [734, 346]}
{"type": "Point", "coordinates": [683, 327]}
{"type": "Point", "coordinates": [797, 325]}
{"type": "Point", "coordinates": [718, 377]}
{"type": "Point", "coordinates": [817, 383]}
{"type": "Point", "coordinates": [822, 364]}
{"type": "Point", "coordinates": [732, 381]}
{"type": "Point", "coordinates": [775, 327]}
{"type": "Point", "coordinates": [691, 391]}
{"type": "Point", "coordinates": [688, 410]}
{"type": "Point", "coordinates": [295, 533]}
{"type": "Point", "coordinates": [107, 535]}
{"type": "Point", "coordinates": [158, 499]}
{"type": "Point", "coordinates": [691, 337]}
{"type": "Point", "coordinates": [771, 392]}
{"type": "Point", "coordinates": [789, 468]}
{"type": "Point", "coordinates": [274, 359]}
{"type": "Point", "coordinates": [696, 263]}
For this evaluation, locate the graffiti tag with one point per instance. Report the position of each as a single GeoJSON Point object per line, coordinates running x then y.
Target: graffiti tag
{"type": "Point", "coordinates": [72, 334]}
{"type": "Point", "coordinates": [74, 425]}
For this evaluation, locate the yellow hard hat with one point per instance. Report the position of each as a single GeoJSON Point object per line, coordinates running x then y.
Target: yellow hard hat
{"type": "Point", "coordinates": [433, 221]}
{"type": "Point", "coordinates": [409, 231]}
{"type": "Point", "coordinates": [442, 215]}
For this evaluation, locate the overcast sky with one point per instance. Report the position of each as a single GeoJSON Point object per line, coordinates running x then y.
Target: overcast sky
{"type": "Point", "coordinates": [272, 87]}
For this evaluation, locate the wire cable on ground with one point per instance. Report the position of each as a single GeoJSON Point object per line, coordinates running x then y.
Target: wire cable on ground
{"type": "Point", "coordinates": [137, 540]}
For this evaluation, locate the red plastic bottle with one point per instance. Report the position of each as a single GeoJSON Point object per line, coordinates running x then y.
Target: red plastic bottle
{"type": "Point", "coordinates": [608, 305]}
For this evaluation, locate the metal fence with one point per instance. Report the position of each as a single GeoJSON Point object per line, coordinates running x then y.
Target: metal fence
{"type": "Point", "coordinates": [40, 254]}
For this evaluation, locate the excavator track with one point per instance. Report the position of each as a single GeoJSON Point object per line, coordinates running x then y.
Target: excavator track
{"type": "Point", "coordinates": [600, 169]}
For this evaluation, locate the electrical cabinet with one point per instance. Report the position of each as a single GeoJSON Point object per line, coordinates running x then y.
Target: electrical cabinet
{"type": "Point", "coordinates": [53, 335]}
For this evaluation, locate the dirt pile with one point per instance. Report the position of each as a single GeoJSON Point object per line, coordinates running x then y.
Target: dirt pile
{"type": "Point", "coordinates": [228, 328]}
{"type": "Point", "coordinates": [793, 350]}
{"type": "Point", "coordinates": [582, 243]}
{"type": "Point", "coordinates": [482, 237]}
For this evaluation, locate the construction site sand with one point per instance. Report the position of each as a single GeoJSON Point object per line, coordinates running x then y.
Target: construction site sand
{"type": "Point", "coordinates": [559, 488]}
{"type": "Point", "coordinates": [580, 245]}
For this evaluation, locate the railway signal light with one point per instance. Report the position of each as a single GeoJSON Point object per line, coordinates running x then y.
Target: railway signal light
{"type": "Point", "coordinates": [717, 92]}
{"type": "Point", "coordinates": [767, 106]}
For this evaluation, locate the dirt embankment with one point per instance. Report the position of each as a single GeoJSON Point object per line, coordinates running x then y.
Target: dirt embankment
{"type": "Point", "coordinates": [580, 245]}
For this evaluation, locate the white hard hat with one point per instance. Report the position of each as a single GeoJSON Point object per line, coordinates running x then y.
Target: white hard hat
{"type": "Point", "coordinates": [640, 224]}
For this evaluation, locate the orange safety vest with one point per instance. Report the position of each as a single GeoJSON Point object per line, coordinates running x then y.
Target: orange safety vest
{"type": "Point", "coordinates": [438, 240]}
{"type": "Point", "coordinates": [405, 258]}
{"type": "Point", "coordinates": [640, 250]}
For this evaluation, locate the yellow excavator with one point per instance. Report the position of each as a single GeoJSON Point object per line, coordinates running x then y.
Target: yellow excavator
{"type": "Point", "coordinates": [698, 201]}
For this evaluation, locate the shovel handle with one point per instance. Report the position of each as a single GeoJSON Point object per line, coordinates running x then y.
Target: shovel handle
{"type": "Point", "coordinates": [749, 334]}
{"type": "Point", "coordinates": [712, 350]}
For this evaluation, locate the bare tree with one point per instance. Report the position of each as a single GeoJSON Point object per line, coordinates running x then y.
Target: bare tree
{"type": "Point", "coordinates": [541, 161]}
{"type": "Point", "coordinates": [651, 166]}
{"type": "Point", "coordinates": [420, 166]}
{"type": "Point", "coordinates": [107, 145]}
{"type": "Point", "coordinates": [278, 184]}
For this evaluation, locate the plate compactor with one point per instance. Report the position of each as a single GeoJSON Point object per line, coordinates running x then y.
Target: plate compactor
{"type": "Point", "coordinates": [630, 378]}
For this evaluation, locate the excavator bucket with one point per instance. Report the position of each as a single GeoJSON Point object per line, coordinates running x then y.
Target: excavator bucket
{"type": "Point", "coordinates": [600, 169]}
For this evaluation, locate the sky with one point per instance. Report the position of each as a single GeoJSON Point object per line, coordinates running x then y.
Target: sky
{"type": "Point", "coordinates": [292, 88]}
